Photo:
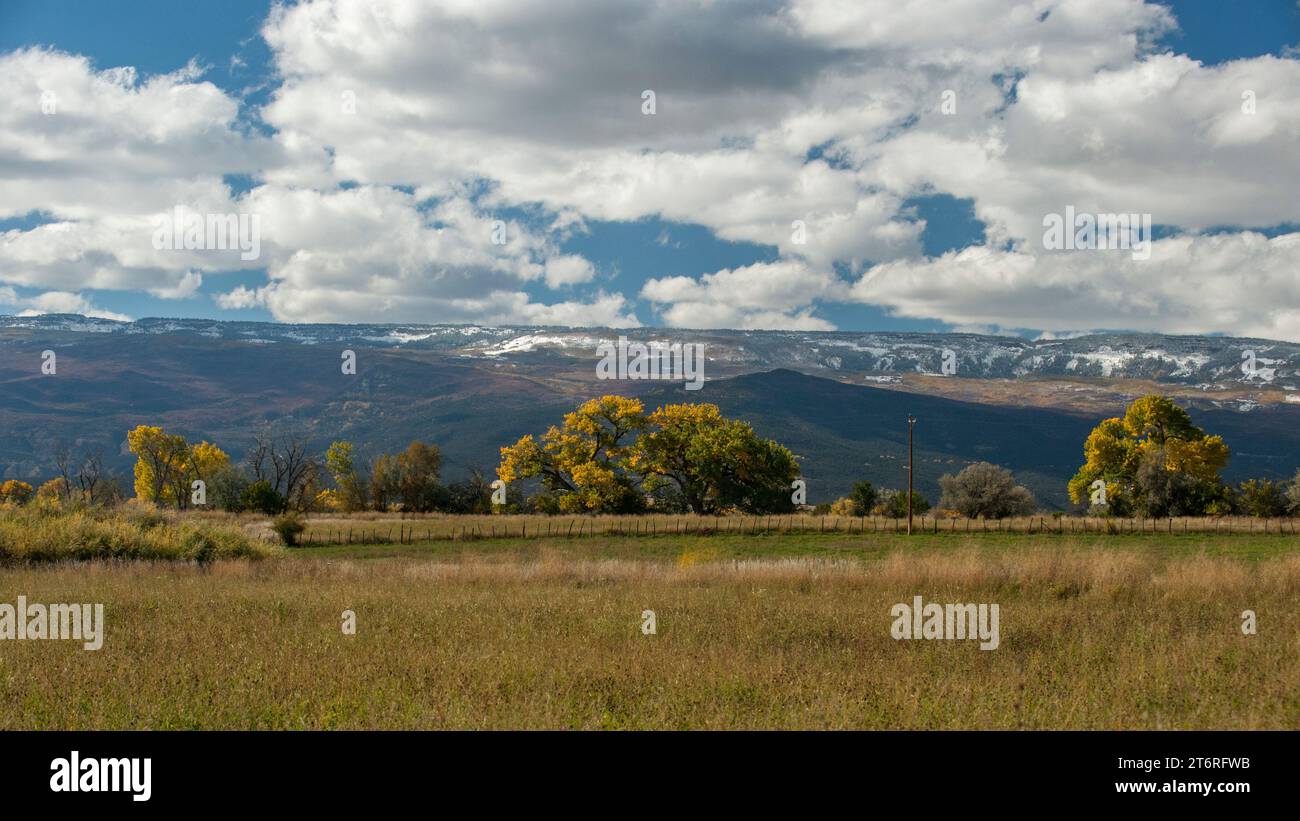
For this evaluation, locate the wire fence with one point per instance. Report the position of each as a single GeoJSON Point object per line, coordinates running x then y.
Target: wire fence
{"type": "Point", "coordinates": [392, 529]}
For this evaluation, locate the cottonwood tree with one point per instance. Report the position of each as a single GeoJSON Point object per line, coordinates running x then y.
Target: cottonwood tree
{"type": "Point", "coordinates": [63, 464]}
{"type": "Point", "coordinates": [476, 494]}
{"type": "Point", "coordinates": [409, 478]}
{"type": "Point", "coordinates": [227, 487]}
{"type": "Point", "coordinates": [166, 465]}
{"type": "Point", "coordinates": [861, 501]}
{"type": "Point", "coordinates": [609, 454]}
{"type": "Point", "coordinates": [160, 458]}
{"type": "Point", "coordinates": [583, 462]}
{"type": "Point", "coordinates": [53, 493]}
{"type": "Point", "coordinates": [353, 494]}
{"type": "Point", "coordinates": [203, 461]}
{"type": "Point", "coordinates": [417, 477]}
{"type": "Point", "coordinates": [385, 481]}
{"type": "Point", "coordinates": [1129, 454]}
{"type": "Point", "coordinates": [716, 464]}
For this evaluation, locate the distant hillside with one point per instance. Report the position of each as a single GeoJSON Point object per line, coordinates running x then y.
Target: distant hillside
{"type": "Point", "coordinates": [472, 390]}
{"type": "Point", "coordinates": [1210, 363]}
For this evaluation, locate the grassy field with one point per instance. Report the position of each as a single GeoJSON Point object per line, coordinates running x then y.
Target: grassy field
{"type": "Point", "coordinates": [753, 631]}
{"type": "Point", "coordinates": [724, 546]}
{"type": "Point", "coordinates": [324, 529]}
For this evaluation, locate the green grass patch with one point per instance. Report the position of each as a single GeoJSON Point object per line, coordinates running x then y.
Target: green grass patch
{"type": "Point", "coordinates": [866, 547]}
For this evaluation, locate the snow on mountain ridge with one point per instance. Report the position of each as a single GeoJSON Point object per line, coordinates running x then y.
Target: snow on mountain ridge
{"type": "Point", "coordinates": [1191, 360]}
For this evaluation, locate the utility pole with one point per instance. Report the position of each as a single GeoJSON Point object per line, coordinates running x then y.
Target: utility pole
{"type": "Point", "coordinates": [911, 420]}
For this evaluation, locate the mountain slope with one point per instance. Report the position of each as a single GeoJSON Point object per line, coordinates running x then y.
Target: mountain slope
{"type": "Point", "coordinates": [473, 390]}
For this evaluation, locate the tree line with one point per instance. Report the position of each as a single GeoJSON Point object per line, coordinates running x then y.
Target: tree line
{"type": "Point", "coordinates": [611, 456]}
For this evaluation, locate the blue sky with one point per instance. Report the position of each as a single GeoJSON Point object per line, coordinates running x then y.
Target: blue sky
{"type": "Point", "coordinates": [625, 247]}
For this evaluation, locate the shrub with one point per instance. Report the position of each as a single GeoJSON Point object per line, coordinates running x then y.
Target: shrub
{"type": "Point", "coordinates": [52, 494]}
{"type": "Point", "coordinates": [544, 503]}
{"type": "Point", "coordinates": [31, 535]}
{"type": "Point", "coordinates": [263, 498]}
{"type": "Point", "coordinates": [226, 489]}
{"type": "Point", "coordinates": [1262, 498]}
{"type": "Point", "coordinates": [844, 507]}
{"type": "Point", "coordinates": [985, 490]}
{"type": "Point", "coordinates": [471, 495]}
{"type": "Point", "coordinates": [15, 492]}
{"type": "Point", "coordinates": [288, 526]}
{"type": "Point", "coordinates": [893, 504]}
{"type": "Point", "coordinates": [146, 515]}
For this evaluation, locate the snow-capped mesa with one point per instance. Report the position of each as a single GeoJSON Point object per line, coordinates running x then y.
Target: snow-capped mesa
{"type": "Point", "coordinates": [1201, 363]}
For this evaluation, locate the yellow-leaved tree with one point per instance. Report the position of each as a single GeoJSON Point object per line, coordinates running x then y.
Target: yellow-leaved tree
{"type": "Point", "coordinates": [166, 465]}
{"type": "Point", "coordinates": [583, 463]}
{"type": "Point", "coordinates": [204, 462]}
{"type": "Point", "coordinates": [694, 458]}
{"type": "Point", "coordinates": [159, 457]}
{"type": "Point", "coordinates": [15, 492]}
{"type": "Point", "coordinates": [610, 457]}
{"type": "Point", "coordinates": [1153, 461]}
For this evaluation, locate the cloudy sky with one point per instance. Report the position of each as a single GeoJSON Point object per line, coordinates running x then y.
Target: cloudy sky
{"type": "Point", "coordinates": [807, 164]}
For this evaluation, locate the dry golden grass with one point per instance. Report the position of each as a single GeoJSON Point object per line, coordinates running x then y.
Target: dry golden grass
{"type": "Point", "coordinates": [28, 534]}
{"type": "Point", "coordinates": [1090, 639]}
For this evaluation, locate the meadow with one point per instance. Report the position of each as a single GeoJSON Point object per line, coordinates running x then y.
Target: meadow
{"type": "Point", "coordinates": [754, 630]}
{"type": "Point", "coordinates": [325, 529]}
